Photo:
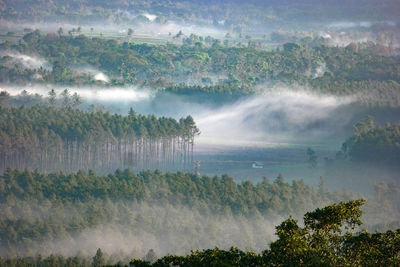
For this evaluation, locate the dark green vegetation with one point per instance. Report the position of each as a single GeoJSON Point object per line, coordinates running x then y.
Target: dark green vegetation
{"type": "Point", "coordinates": [374, 144]}
{"type": "Point", "coordinates": [320, 243]}
{"type": "Point", "coordinates": [369, 144]}
{"type": "Point", "coordinates": [353, 70]}
{"type": "Point", "coordinates": [51, 138]}
{"type": "Point", "coordinates": [172, 212]}
{"type": "Point", "coordinates": [369, 156]}
{"type": "Point", "coordinates": [328, 238]}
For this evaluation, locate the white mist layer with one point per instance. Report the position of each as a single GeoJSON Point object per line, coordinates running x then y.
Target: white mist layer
{"type": "Point", "coordinates": [28, 61]}
{"type": "Point", "coordinates": [167, 229]}
{"type": "Point", "coordinates": [150, 17]}
{"type": "Point", "coordinates": [151, 28]}
{"type": "Point", "coordinates": [270, 118]}
{"type": "Point", "coordinates": [349, 24]}
{"type": "Point", "coordinates": [283, 117]}
{"type": "Point", "coordinates": [98, 75]}
{"type": "Point", "coordinates": [92, 94]}
{"type": "Point", "coordinates": [101, 77]}
{"type": "Point", "coordinates": [174, 27]}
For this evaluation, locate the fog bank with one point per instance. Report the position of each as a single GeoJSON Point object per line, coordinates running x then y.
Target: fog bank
{"type": "Point", "coordinates": [279, 116]}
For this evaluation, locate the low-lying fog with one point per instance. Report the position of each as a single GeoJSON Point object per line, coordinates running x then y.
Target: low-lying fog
{"type": "Point", "coordinates": [169, 28]}
{"type": "Point", "coordinates": [272, 129]}
{"type": "Point", "coordinates": [276, 117]}
{"type": "Point", "coordinates": [167, 229]}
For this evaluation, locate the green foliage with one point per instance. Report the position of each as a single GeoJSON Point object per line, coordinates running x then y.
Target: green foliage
{"type": "Point", "coordinates": [98, 259]}
{"type": "Point", "coordinates": [236, 70]}
{"type": "Point", "coordinates": [131, 200]}
{"type": "Point", "coordinates": [319, 243]}
{"type": "Point", "coordinates": [370, 143]}
{"type": "Point", "coordinates": [211, 257]}
{"type": "Point", "coordinates": [46, 137]}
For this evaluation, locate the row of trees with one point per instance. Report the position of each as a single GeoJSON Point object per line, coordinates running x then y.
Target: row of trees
{"type": "Point", "coordinates": [50, 139]}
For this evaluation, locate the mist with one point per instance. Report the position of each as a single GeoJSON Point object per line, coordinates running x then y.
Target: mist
{"type": "Point", "coordinates": [152, 28]}
{"type": "Point", "coordinates": [131, 229]}
{"type": "Point", "coordinates": [273, 127]}
{"type": "Point", "coordinates": [356, 24]}
{"type": "Point", "coordinates": [102, 95]}
{"type": "Point", "coordinates": [183, 229]}
{"type": "Point", "coordinates": [277, 116]}
{"type": "Point", "coordinates": [271, 143]}
{"type": "Point", "coordinates": [27, 61]}
{"type": "Point", "coordinates": [284, 116]}
{"type": "Point", "coordinates": [97, 74]}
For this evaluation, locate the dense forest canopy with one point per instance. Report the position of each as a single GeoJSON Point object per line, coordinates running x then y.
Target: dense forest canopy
{"type": "Point", "coordinates": [189, 69]}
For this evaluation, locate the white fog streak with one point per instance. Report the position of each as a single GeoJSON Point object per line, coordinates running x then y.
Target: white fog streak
{"type": "Point", "coordinates": [96, 94]}
{"type": "Point", "coordinates": [268, 117]}
{"type": "Point", "coordinates": [28, 61]}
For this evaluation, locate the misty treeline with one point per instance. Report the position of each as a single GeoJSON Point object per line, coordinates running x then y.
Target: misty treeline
{"type": "Point", "coordinates": [128, 214]}
{"type": "Point", "coordinates": [371, 143]}
{"type": "Point", "coordinates": [170, 213]}
{"type": "Point", "coordinates": [328, 238]}
{"type": "Point", "coordinates": [379, 38]}
{"type": "Point", "coordinates": [374, 143]}
{"type": "Point", "coordinates": [52, 138]}
{"type": "Point", "coordinates": [353, 70]}
{"type": "Point", "coordinates": [234, 16]}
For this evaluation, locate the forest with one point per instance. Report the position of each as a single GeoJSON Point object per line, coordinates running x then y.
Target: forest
{"type": "Point", "coordinates": [328, 237]}
{"type": "Point", "coordinates": [50, 138]}
{"type": "Point", "coordinates": [199, 133]}
{"type": "Point", "coordinates": [352, 70]}
{"type": "Point", "coordinates": [144, 209]}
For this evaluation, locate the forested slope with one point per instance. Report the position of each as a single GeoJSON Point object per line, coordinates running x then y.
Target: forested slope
{"type": "Point", "coordinates": [215, 68]}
